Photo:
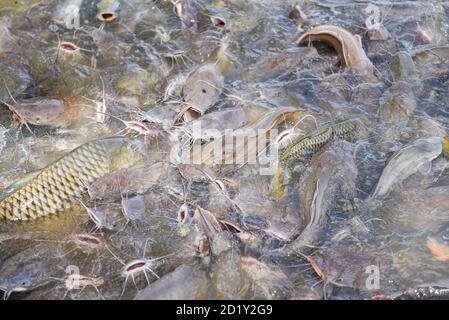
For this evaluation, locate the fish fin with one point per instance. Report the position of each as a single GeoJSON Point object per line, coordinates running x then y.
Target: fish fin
{"type": "Point", "coordinates": [277, 184]}
{"type": "Point", "coordinates": [445, 143]}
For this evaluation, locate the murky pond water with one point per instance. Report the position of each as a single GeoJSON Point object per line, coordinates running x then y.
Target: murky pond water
{"type": "Point", "coordinates": [112, 185]}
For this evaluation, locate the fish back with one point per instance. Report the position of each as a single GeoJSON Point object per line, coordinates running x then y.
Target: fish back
{"type": "Point", "coordinates": [57, 186]}
{"type": "Point", "coordinates": [314, 141]}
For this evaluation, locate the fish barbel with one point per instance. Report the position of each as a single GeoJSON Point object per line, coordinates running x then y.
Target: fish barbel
{"type": "Point", "coordinates": [312, 142]}
{"type": "Point", "coordinates": [55, 187]}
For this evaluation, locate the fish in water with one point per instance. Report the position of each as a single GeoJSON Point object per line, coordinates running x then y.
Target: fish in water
{"type": "Point", "coordinates": [315, 140]}
{"type": "Point", "coordinates": [32, 268]}
{"type": "Point", "coordinates": [126, 181]}
{"type": "Point", "coordinates": [185, 282]}
{"type": "Point", "coordinates": [201, 90]}
{"type": "Point", "coordinates": [269, 282]}
{"type": "Point", "coordinates": [190, 13]}
{"type": "Point", "coordinates": [332, 170]}
{"type": "Point", "coordinates": [54, 188]}
{"type": "Point", "coordinates": [348, 46]}
{"type": "Point", "coordinates": [406, 162]}
{"type": "Point", "coordinates": [50, 111]}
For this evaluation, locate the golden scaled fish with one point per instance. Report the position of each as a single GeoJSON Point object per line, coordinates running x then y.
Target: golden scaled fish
{"type": "Point", "coordinates": [301, 146]}
{"type": "Point", "coordinates": [54, 188]}
{"type": "Point", "coordinates": [445, 144]}
{"type": "Point", "coordinates": [314, 141]}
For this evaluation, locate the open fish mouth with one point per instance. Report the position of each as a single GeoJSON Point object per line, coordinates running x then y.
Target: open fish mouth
{"type": "Point", "coordinates": [107, 16]}
{"type": "Point", "coordinates": [69, 47]}
{"type": "Point", "coordinates": [189, 112]}
{"type": "Point", "coordinates": [218, 22]}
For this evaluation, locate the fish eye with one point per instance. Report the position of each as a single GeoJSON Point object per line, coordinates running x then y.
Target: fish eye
{"type": "Point", "coordinates": [204, 90]}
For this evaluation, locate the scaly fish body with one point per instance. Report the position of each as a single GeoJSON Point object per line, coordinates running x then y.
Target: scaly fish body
{"type": "Point", "coordinates": [317, 139]}
{"type": "Point", "coordinates": [56, 187]}
{"type": "Point", "coordinates": [346, 129]}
